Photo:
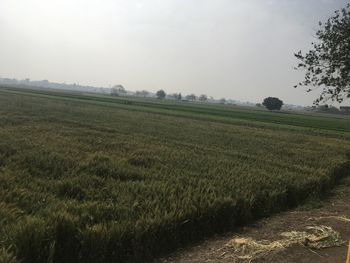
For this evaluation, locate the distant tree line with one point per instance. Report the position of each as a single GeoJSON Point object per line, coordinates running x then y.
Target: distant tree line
{"type": "Point", "coordinates": [270, 103]}
{"type": "Point", "coordinates": [161, 94]}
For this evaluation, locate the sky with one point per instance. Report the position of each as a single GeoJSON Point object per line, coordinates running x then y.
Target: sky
{"type": "Point", "coordinates": [237, 49]}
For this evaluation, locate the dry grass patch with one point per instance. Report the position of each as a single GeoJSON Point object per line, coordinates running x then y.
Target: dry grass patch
{"type": "Point", "coordinates": [314, 237]}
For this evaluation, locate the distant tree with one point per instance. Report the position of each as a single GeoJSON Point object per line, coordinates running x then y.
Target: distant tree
{"type": "Point", "coordinates": [333, 109]}
{"type": "Point", "coordinates": [114, 92]}
{"type": "Point", "coordinates": [175, 96]}
{"type": "Point", "coordinates": [327, 108]}
{"type": "Point", "coordinates": [223, 101]}
{"type": "Point", "coordinates": [191, 97]}
{"type": "Point", "coordinates": [161, 94]}
{"type": "Point", "coordinates": [272, 103]}
{"type": "Point", "coordinates": [327, 65]}
{"type": "Point", "coordinates": [118, 90]}
{"type": "Point", "coordinates": [172, 96]}
{"type": "Point", "coordinates": [258, 105]}
{"type": "Point", "coordinates": [203, 98]}
{"type": "Point", "coordinates": [324, 106]}
{"type": "Point", "coordinates": [142, 93]}
{"type": "Point", "coordinates": [121, 90]}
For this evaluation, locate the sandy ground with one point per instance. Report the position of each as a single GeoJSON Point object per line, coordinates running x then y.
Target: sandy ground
{"type": "Point", "coordinates": [337, 204]}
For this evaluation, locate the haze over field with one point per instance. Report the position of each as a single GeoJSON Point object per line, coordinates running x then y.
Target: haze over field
{"type": "Point", "coordinates": [241, 49]}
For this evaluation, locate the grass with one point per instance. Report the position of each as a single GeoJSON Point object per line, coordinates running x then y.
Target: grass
{"type": "Point", "coordinates": [91, 178]}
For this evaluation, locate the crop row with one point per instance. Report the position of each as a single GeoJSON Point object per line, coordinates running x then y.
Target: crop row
{"type": "Point", "coordinates": [93, 183]}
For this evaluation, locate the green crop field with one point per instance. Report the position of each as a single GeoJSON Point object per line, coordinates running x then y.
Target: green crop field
{"type": "Point", "coordinates": [93, 178]}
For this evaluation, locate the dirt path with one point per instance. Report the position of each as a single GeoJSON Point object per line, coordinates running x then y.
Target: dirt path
{"type": "Point", "coordinates": [338, 204]}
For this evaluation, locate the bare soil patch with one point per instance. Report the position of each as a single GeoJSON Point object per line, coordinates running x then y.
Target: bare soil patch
{"type": "Point", "coordinates": [332, 212]}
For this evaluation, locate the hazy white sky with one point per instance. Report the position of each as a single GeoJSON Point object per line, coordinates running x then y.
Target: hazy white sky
{"type": "Point", "coordinates": [239, 49]}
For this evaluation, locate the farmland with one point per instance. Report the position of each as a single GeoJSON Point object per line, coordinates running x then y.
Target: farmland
{"type": "Point", "coordinates": [92, 178]}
